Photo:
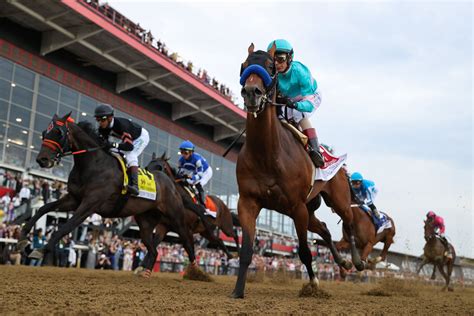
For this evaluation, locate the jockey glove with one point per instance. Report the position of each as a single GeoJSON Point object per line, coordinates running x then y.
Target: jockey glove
{"type": "Point", "coordinates": [122, 146]}
{"type": "Point", "coordinates": [291, 104]}
{"type": "Point", "coordinates": [286, 101]}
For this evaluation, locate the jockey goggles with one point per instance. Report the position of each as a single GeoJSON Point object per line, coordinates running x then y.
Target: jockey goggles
{"type": "Point", "coordinates": [281, 58]}
{"type": "Point", "coordinates": [101, 118]}
{"type": "Point", "coordinates": [357, 182]}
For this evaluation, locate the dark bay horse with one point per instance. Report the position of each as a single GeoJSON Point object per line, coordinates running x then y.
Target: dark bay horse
{"type": "Point", "coordinates": [224, 219]}
{"type": "Point", "coordinates": [434, 252]}
{"type": "Point", "coordinates": [95, 184]}
{"type": "Point", "coordinates": [275, 172]}
{"type": "Point", "coordinates": [366, 236]}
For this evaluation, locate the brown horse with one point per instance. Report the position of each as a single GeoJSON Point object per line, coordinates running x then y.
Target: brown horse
{"type": "Point", "coordinates": [224, 219]}
{"type": "Point", "coordinates": [366, 236]}
{"type": "Point", "coordinates": [275, 172]}
{"type": "Point", "coordinates": [434, 252]}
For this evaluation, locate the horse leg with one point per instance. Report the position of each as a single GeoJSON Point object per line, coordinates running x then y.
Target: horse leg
{"type": "Point", "coordinates": [65, 203]}
{"type": "Point", "coordinates": [365, 253]}
{"type": "Point", "coordinates": [422, 264]}
{"type": "Point", "coordinates": [161, 231]}
{"type": "Point", "coordinates": [147, 222]}
{"type": "Point", "coordinates": [449, 266]}
{"type": "Point", "coordinates": [445, 276]}
{"type": "Point", "coordinates": [433, 275]}
{"type": "Point", "coordinates": [218, 241]}
{"type": "Point", "coordinates": [84, 210]}
{"type": "Point", "coordinates": [338, 193]}
{"type": "Point", "coordinates": [301, 225]}
{"type": "Point", "coordinates": [383, 255]}
{"type": "Point", "coordinates": [248, 212]}
{"type": "Point", "coordinates": [318, 227]}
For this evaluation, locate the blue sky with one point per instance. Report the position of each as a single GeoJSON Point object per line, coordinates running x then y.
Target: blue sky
{"type": "Point", "coordinates": [396, 83]}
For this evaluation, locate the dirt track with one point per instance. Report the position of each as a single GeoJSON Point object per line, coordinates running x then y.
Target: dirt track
{"type": "Point", "coordinates": [72, 291]}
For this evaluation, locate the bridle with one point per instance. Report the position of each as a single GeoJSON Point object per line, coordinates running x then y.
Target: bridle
{"type": "Point", "coordinates": [266, 71]}
{"type": "Point", "coordinates": [62, 147]}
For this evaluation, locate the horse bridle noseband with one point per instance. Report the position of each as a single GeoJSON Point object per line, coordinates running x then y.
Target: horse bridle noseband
{"type": "Point", "coordinates": [62, 148]}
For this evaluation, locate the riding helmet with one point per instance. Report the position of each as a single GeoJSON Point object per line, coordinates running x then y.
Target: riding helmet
{"type": "Point", "coordinates": [282, 45]}
{"type": "Point", "coordinates": [186, 145]}
{"type": "Point", "coordinates": [430, 214]}
{"type": "Point", "coordinates": [103, 110]}
{"type": "Point", "coordinates": [356, 176]}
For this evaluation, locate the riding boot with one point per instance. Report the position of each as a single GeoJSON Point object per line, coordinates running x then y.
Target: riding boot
{"type": "Point", "coordinates": [375, 211]}
{"type": "Point", "coordinates": [445, 242]}
{"type": "Point", "coordinates": [313, 148]}
{"type": "Point", "coordinates": [132, 187]}
{"type": "Point", "coordinates": [202, 195]}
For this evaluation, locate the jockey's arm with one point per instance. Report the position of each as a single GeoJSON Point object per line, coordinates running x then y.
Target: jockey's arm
{"type": "Point", "coordinates": [308, 88]}
{"type": "Point", "coordinates": [199, 171]}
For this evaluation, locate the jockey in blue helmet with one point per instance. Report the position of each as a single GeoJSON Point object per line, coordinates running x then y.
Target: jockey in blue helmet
{"type": "Point", "coordinates": [195, 167]}
{"type": "Point", "coordinates": [299, 91]}
{"type": "Point", "coordinates": [365, 191]}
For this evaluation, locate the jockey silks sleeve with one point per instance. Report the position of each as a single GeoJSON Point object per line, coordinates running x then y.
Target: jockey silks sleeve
{"type": "Point", "coordinates": [299, 85]}
{"type": "Point", "coordinates": [124, 129]}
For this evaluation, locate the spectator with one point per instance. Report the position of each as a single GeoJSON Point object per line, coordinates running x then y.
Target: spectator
{"type": "Point", "coordinates": [45, 191]}
{"type": "Point", "coordinates": [25, 193]}
{"type": "Point", "coordinates": [103, 263]}
{"type": "Point", "coordinates": [39, 240]}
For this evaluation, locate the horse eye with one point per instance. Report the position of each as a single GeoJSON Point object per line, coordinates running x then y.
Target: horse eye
{"type": "Point", "coordinates": [243, 92]}
{"type": "Point", "coordinates": [258, 92]}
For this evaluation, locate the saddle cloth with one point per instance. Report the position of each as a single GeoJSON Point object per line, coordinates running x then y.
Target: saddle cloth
{"type": "Point", "coordinates": [146, 181]}
{"type": "Point", "coordinates": [332, 163]}
{"type": "Point", "coordinates": [211, 207]}
{"type": "Point", "coordinates": [380, 225]}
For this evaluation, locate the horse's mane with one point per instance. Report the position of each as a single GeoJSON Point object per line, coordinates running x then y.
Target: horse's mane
{"type": "Point", "coordinates": [91, 131]}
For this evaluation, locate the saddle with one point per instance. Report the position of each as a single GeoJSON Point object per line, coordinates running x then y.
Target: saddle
{"type": "Point", "coordinates": [210, 205]}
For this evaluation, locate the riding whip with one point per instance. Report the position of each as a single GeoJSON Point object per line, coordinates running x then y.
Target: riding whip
{"type": "Point", "coordinates": [233, 143]}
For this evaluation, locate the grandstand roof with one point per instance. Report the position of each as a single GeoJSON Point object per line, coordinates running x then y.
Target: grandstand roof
{"type": "Point", "coordinates": [76, 27]}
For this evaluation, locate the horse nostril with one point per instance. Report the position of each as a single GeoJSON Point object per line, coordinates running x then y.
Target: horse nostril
{"type": "Point", "coordinates": [243, 92]}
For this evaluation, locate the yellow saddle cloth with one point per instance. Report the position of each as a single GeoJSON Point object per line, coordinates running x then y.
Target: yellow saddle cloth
{"type": "Point", "coordinates": [146, 180]}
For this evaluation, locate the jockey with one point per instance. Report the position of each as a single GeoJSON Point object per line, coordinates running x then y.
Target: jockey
{"type": "Point", "coordinates": [196, 166]}
{"type": "Point", "coordinates": [438, 224]}
{"type": "Point", "coordinates": [134, 139]}
{"type": "Point", "coordinates": [299, 91]}
{"type": "Point", "coordinates": [365, 191]}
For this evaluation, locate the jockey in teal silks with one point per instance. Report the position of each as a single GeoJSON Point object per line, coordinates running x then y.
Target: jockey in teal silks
{"type": "Point", "coordinates": [365, 191]}
{"type": "Point", "coordinates": [299, 91]}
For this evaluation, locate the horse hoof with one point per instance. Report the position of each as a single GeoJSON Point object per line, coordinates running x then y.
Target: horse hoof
{"type": "Point", "coordinates": [236, 295]}
{"type": "Point", "coordinates": [346, 264]}
{"type": "Point", "coordinates": [36, 254]}
{"type": "Point", "coordinates": [21, 245]}
{"type": "Point", "coordinates": [450, 289]}
{"type": "Point", "coordinates": [146, 274]}
{"type": "Point", "coordinates": [433, 277]}
{"type": "Point", "coordinates": [360, 266]}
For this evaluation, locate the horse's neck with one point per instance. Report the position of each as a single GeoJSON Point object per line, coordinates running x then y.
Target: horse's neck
{"type": "Point", "coordinates": [264, 132]}
{"type": "Point", "coordinates": [80, 141]}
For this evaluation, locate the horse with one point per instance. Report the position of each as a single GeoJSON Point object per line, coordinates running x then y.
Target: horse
{"type": "Point", "coordinates": [224, 218]}
{"type": "Point", "coordinates": [366, 236]}
{"type": "Point", "coordinates": [434, 253]}
{"type": "Point", "coordinates": [275, 172]}
{"type": "Point", "coordinates": [94, 186]}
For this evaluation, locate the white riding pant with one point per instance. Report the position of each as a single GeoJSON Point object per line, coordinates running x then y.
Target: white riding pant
{"type": "Point", "coordinates": [296, 115]}
{"type": "Point", "coordinates": [139, 145]}
{"type": "Point", "coordinates": [206, 176]}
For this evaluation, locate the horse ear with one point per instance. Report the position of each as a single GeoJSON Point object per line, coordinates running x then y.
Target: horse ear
{"type": "Point", "coordinates": [251, 48]}
{"type": "Point", "coordinates": [55, 117]}
{"type": "Point", "coordinates": [163, 156]}
{"type": "Point", "coordinates": [65, 117]}
{"type": "Point", "coordinates": [153, 156]}
{"type": "Point", "coordinates": [272, 50]}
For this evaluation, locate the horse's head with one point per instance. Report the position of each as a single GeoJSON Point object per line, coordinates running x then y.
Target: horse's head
{"type": "Point", "coordinates": [160, 164]}
{"type": "Point", "coordinates": [258, 79]}
{"type": "Point", "coordinates": [429, 229]}
{"type": "Point", "coordinates": [55, 141]}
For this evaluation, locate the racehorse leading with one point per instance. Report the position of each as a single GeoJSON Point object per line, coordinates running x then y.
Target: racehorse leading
{"type": "Point", "coordinates": [275, 172]}
{"type": "Point", "coordinates": [434, 252]}
{"type": "Point", "coordinates": [95, 184]}
{"type": "Point", "coordinates": [223, 220]}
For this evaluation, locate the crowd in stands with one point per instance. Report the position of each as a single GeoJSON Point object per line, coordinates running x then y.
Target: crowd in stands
{"type": "Point", "coordinates": [146, 37]}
